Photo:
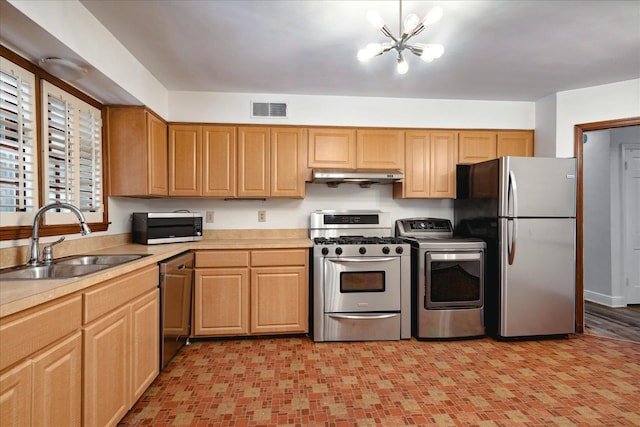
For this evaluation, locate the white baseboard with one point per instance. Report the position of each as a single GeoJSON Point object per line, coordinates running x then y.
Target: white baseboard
{"type": "Point", "coordinates": [608, 300]}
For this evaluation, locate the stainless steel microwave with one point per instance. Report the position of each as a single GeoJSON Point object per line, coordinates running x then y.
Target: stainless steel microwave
{"type": "Point", "coordinates": [151, 228]}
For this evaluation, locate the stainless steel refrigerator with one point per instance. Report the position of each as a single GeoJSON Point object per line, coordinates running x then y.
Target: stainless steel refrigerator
{"type": "Point", "coordinates": [524, 208]}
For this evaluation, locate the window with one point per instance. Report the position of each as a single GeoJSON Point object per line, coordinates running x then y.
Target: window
{"type": "Point", "coordinates": [18, 152]}
{"type": "Point", "coordinates": [71, 155]}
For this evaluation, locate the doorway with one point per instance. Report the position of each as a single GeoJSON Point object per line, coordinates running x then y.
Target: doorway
{"type": "Point", "coordinates": [578, 150]}
{"type": "Point", "coordinates": [631, 220]}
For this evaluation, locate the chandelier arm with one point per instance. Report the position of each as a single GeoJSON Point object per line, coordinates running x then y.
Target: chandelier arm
{"type": "Point", "coordinates": [385, 30]}
{"type": "Point", "coordinates": [415, 50]}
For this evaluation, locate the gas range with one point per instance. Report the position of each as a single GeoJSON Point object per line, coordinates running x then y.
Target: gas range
{"type": "Point", "coordinates": [361, 277]}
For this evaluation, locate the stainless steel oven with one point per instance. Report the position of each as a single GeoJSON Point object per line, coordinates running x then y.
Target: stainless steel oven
{"type": "Point", "coordinates": [361, 278]}
{"type": "Point", "coordinates": [447, 279]}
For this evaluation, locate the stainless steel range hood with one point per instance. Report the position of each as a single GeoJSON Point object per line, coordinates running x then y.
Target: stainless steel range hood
{"type": "Point", "coordinates": [364, 178]}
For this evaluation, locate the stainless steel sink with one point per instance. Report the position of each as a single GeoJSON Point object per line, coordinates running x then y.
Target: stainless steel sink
{"type": "Point", "coordinates": [68, 267]}
{"type": "Point", "coordinates": [53, 271]}
{"type": "Point", "coordinates": [98, 259]}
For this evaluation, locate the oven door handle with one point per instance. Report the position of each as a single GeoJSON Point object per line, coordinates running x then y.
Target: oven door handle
{"type": "Point", "coordinates": [455, 256]}
{"type": "Point", "coordinates": [363, 317]}
{"type": "Point", "coordinates": [362, 259]}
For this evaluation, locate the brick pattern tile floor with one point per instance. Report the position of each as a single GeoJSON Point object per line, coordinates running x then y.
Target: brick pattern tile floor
{"type": "Point", "coordinates": [584, 380]}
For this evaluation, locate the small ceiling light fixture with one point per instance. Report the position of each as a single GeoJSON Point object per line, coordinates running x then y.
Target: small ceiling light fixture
{"type": "Point", "coordinates": [412, 26]}
{"type": "Point", "coordinates": [64, 69]}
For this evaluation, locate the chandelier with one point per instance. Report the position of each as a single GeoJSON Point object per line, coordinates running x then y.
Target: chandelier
{"type": "Point", "coordinates": [412, 26]}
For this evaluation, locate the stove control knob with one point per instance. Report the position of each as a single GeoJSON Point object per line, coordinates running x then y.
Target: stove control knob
{"type": "Point", "coordinates": [399, 249]}
{"type": "Point", "coordinates": [386, 250]}
{"type": "Point", "coordinates": [325, 251]}
{"type": "Point", "coordinates": [362, 250]}
{"type": "Point", "coordinates": [338, 251]}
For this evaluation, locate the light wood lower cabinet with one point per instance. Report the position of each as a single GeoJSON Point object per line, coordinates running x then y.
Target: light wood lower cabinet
{"type": "Point", "coordinates": [121, 345]}
{"type": "Point", "coordinates": [40, 365]}
{"type": "Point", "coordinates": [251, 292]}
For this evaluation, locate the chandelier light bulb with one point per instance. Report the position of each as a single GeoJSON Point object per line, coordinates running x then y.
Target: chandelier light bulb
{"type": "Point", "coordinates": [433, 16]}
{"type": "Point", "coordinates": [403, 66]}
{"type": "Point", "coordinates": [369, 51]}
{"type": "Point", "coordinates": [410, 23]}
{"type": "Point", "coordinates": [375, 19]}
{"type": "Point", "coordinates": [431, 52]}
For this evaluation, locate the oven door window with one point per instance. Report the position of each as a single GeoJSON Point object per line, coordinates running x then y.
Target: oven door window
{"type": "Point", "coordinates": [361, 284]}
{"type": "Point", "coordinates": [362, 281]}
{"type": "Point", "coordinates": [453, 282]}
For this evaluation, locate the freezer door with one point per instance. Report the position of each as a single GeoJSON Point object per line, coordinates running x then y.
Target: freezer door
{"type": "Point", "coordinates": [537, 289]}
{"type": "Point", "coordinates": [537, 187]}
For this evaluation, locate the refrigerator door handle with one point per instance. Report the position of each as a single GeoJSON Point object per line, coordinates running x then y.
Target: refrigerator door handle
{"type": "Point", "coordinates": [513, 196]}
{"type": "Point", "coordinates": [513, 239]}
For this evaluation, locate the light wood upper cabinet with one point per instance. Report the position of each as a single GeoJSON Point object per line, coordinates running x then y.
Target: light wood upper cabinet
{"type": "Point", "coordinates": [220, 161]}
{"type": "Point", "coordinates": [474, 147]}
{"type": "Point", "coordinates": [288, 161]}
{"type": "Point", "coordinates": [430, 165]}
{"type": "Point", "coordinates": [379, 149]}
{"type": "Point", "coordinates": [332, 148]}
{"type": "Point", "coordinates": [135, 133]}
{"type": "Point", "coordinates": [185, 160]}
{"type": "Point", "coordinates": [518, 143]}
{"type": "Point", "coordinates": [479, 146]}
{"type": "Point", "coordinates": [254, 167]}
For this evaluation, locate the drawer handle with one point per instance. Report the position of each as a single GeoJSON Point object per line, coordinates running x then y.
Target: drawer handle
{"type": "Point", "coordinates": [363, 317]}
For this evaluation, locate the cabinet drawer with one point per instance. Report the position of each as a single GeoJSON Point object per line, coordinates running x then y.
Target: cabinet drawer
{"type": "Point", "coordinates": [115, 293]}
{"type": "Point", "coordinates": [28, 333]}
{"type": "Point", "coordinates": [272, 258]}
{"type": "Point", "coordinates": [222, 259]}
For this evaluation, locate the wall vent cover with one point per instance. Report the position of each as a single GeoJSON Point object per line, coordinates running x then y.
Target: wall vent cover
{"type": "Point", "coordinates": [269, 109]}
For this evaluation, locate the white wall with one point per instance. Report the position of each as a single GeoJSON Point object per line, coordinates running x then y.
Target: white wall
{"type": "Point", "coordinates": [212, 107]}
{"type": "Point", "coordinates": [593, 104]}
{"type": "Point", "coordinates": [545, 136]}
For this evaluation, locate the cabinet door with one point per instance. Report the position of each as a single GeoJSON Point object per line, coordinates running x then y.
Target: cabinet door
{"type": "Point", "coordinates": [515, 144]}
{"type": "Point", "coordinates": [474, 147]}
{"type": "Point", "coordinates": [380, 149]}
{"type": "Point", "coordinates": [332, 148]}
{"type": "Point", "coordinates": [279, 300]}
{"type": "Point", "coordinates": [443, 159]}
{"type": "Point", "coordinates": [106, 371]}
{"type": "Point", "coordinates": [185, 160]}
{"type": "Point", "coordinates": [157, 155]}
{"type": "Point", "coordinates": [15, 395]}
{"type": "Point", "coordinates": [253, 161]}
{"type": "Point", "coordinates": [288, 156]}
{"type": "Point", "coordinates": [417, 179]}
{"type": "Point", "coordinates": [57, 384]}
{"type": "Point", "coordinates": [219, 169]}
{"type": "Point", "coordinates": [221, 298]}
{"type": "Point", "coordinates": [145, 345]}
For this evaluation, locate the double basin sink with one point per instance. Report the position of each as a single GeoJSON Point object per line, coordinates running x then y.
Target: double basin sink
{"type": "Point", "coordinates": [68, 267]}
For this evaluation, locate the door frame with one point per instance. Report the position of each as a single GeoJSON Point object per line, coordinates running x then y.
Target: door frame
{"type": "Point", "coordinates": [579, 130]}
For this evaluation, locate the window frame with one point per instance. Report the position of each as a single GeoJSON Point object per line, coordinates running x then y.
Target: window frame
{"type": "Point", "coordinates": [22, 232]}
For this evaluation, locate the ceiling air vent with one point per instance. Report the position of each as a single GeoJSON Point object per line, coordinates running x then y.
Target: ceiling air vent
{"type": "Point", "coordinates": [269, 109]}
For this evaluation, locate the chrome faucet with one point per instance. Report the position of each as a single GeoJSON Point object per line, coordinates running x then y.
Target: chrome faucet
{"type": "Point", "coordinates": [34, 256]}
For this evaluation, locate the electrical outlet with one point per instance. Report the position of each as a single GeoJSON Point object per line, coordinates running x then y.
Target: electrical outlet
{"type": "Point", "coordinates": [209, 217]}
{"type": "Point", "coordinates": [262, 216]}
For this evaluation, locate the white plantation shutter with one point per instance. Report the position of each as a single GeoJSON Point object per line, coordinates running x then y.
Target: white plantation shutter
{"type": "Point", "coordinates": [18, 153]}
{"type": "Point", "coordinates": [72, 155]}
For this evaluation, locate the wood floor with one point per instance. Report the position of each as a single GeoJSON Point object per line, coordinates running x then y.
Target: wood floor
{"type": "Point", "coordinates": [623, 322]}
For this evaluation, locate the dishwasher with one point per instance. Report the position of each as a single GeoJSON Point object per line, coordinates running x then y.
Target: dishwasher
{"type": "Point", "coordinates": [176, 278]}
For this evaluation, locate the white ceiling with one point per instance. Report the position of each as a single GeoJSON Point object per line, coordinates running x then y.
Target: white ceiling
{"type": "Point", "coordinates": [494, 50]}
